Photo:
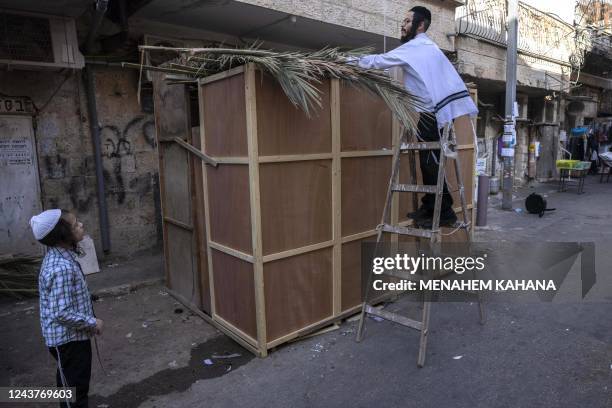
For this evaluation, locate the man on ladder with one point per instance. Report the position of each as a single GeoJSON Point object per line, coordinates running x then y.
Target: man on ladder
{"type": "Point", "coordinates": [430, 76]}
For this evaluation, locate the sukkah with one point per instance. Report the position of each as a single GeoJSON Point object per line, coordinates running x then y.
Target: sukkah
{"type": "Point", "coordinates": [297, 72]}
{"type": "Point", "coordinates": [266, 244]}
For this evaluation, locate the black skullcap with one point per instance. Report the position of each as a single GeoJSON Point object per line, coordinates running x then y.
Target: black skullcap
{"type": "Point", "coordinates": [423, 11]}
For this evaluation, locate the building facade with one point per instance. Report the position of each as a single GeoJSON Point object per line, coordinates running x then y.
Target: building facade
{"type": "Point", "coordinates": [55, 131]}
{"type": "Point", "coordinates": [590, 104]}
{"type": "Point", "coordinates": [99, 34]}
{"type": "Point", "coordinates": [547, 56]}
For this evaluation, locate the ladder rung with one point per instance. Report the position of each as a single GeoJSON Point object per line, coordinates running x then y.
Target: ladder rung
{"type": "Point", "coordinates": [415, 232]}
{"type": "Point", "coordinates": [413, 188]}
{"type": "Point", "coordinates": [420, 146]}
{"type": "Point", "coordinates": [395, 318]}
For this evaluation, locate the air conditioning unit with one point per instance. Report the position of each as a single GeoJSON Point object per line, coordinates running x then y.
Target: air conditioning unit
{"type": "Point", "coordinates": [35, 41]}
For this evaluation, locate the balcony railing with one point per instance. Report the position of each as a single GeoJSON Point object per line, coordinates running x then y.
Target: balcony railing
{"type": "Point", "coordinates": [541, 35]}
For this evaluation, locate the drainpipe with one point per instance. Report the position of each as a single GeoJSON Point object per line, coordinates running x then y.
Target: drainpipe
{"type": "Point", "coordinates": [100, 9]}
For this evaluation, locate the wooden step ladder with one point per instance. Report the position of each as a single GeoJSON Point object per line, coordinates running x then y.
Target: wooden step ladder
{"type": "Point", "coordinates": [446, 145]}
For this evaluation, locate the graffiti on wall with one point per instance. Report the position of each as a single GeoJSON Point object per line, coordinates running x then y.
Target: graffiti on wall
{"type": "Point", "coordinates": [118, 152]}
{"type": "Point", "coordinates": [119, 145]}
{"type": "Point", "coordinates": [116, 142]}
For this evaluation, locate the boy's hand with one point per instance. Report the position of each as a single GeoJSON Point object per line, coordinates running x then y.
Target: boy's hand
{"type": "Point", "coordinates": [98, 327]}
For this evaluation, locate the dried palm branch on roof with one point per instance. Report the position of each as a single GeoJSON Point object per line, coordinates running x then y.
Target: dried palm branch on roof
{"type": "Point", "coordinates": [297, 72]}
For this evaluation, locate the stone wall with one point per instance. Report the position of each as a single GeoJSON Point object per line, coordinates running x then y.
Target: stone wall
{"type": "Point", "coordinates": [130, 162]}
{"type": "Point", "coordinates": [375, 16]}
{"type": "Point", "coordinates": [479, 59]}
{"type": "Point", "coordinates": [65, 154]}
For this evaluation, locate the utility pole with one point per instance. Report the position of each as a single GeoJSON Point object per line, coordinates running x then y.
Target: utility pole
{"type": "Point", "coordinates": [509, 137]}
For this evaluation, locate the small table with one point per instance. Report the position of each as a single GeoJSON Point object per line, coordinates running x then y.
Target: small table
{"type": "Point", "coordinates": [576, 168]}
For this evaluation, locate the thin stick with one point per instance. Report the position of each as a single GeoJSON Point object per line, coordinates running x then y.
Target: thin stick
{"type": "Point", "coordinates": [158, 69]}
{"type": "Point", "coordinates": [207, 50]}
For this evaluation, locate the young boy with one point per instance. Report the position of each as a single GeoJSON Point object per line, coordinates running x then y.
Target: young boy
{"type": "Point", "coordinates": [66, 312]}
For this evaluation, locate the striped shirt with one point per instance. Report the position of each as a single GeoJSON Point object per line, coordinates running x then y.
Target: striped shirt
{"type": "Point", "coordinates": [66, 312]}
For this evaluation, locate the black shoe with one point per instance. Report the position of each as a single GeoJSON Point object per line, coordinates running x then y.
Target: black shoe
{"type": "Point", "coordinates": [421, 214]}
{"type": "Point", "coordinates": [446, 220]}
{"type": "Point", "coordinates": [425, 223]}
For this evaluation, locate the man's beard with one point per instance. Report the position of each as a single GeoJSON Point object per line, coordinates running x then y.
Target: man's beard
{"type": "Point", "coordinates": [409, 35]}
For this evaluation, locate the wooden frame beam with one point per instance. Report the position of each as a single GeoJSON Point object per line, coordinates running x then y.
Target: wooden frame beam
{"type": "Point", "coordinates": [222, 75]}
{"type": "Point", "coordinates": [252, 142]}
{"type": "Point", "coordinates": [177, 223]}
{"type": "Point", "coordinates": [336, 198]}
{"type": "Point", "coordinates": [211, 278]}
{"type": "Point", "coordinates": [231, 251]}
{"type": "Point", "coordinates": [197, 152]}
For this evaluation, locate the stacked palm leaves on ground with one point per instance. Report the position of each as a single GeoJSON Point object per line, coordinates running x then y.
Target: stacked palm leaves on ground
{"type": "Point", "coordinates": [19, 276]}
{"type": "Point", "coordinates": [297, 72]}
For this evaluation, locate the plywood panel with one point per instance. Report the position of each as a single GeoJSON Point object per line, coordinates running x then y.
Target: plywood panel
{"type": "Point", "coordinates": [181, 257]}
{"type": "Point", "coordinates": [364, 188]}
{"type": "Point", "coordinates": [466, 158]}
{"type": "Point", "coordinates": [405, 199]}
{"type": "Point", "coordinates": [464, 130]}
{"type": "Point", "coordinates": [183, 273]}
{"type": "Point", "coordinates": [365, 121]}
{"type": "Point", "coordinates": [234, 291]}
{"type": "Point", "coordinates": [352, 284]}
{"type": "Point", "coordinates": [225, 117]}
{"type": "Point", "coordinates": [176, 200]}
{"type": "Point", "coordinates": [295, 204]}
{"type": "Point", "coordinates": [283, 128]}
{"type": "Point", "coordinates": [298, 292]}
{"type": "Point", "coordinates": [230, 211]}
{"type": "Point", "coordinates": [171, 112]}
{"type": "Point", "coordinates": [351, 275]}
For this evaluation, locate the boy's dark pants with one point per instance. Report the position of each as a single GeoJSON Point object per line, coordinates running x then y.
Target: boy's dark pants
{"type": "Point", "coordinates": [75, 358]}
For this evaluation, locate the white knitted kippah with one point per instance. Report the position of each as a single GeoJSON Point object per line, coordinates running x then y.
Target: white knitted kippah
{"type": "Point", "coordinates": [43, 223]}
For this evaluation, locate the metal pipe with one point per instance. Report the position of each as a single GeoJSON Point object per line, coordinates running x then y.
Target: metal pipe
{"type": "Point", "coordinates": [100, 10]}
{"type": "Point", "coordinates": [511, 60]}
{"type": "Point", "coordinates": [483, 200]}
{"type": "Point", "coordinates": [566, 151]}
{"type": "Point", "coordinates": [95, 139]}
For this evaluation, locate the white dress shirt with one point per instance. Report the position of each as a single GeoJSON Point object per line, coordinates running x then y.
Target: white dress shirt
{"type": "Point", "coordinates": [412, 80]}
{"type": "Point", "coordinates": [429, 75]}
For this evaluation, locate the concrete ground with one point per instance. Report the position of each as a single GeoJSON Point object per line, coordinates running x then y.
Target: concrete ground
{"type": "Point", "coordinates": [157, 354]}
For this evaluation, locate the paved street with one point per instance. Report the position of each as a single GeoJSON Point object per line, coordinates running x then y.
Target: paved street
{"type": "Point", "coordinates": [157, 354]}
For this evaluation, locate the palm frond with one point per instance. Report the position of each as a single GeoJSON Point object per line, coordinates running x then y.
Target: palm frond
{"type": "Point", "coordinates": [297, 72]}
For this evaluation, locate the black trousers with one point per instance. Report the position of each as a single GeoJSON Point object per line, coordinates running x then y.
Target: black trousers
{"type": "Point", "coordinates": [428, 132]}
{"type": "Point", "coordinates": [75, 360]}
